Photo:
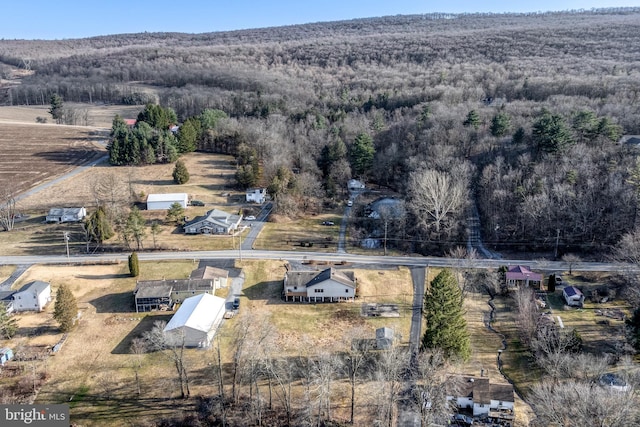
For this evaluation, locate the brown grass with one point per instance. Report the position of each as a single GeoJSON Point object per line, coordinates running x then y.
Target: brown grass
{"type": "Point", "coordinates": [99, 115]}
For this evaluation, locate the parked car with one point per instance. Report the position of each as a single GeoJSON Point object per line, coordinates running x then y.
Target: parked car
{"type": "Point", "coordinates": [197, 203]}
{"type": "Point", "coordinates": [350, 203]}
{"type": "Point", "coordinates": [328, 223]}
{"type": "Point", "coordinates": [236, 303]}
{"type": "Point", "coordinates": [250, 218]}
{"type": "Point", "coordinates": [558, 279]}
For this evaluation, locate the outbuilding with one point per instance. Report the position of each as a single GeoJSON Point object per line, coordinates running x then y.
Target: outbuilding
{"type": "Point", "coordinates": [196, 321]}
{"type": "Point", "coordinates": [573, 296]}
{"type": "Point", "coordinates": [164, 201]}
{"type": "Point", "coordinates": [6, 354]}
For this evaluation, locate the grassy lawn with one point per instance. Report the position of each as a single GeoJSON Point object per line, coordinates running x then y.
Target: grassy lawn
{"type": "Point", "coordinates": [6, 271]}
{"type": "Point", "coordinates": [291, 234]}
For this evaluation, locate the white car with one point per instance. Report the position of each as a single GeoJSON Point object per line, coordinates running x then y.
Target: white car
{"type": "Point", "coordinates": [350, 203]}
{"type": "Point", "coordinates": [250, 218]}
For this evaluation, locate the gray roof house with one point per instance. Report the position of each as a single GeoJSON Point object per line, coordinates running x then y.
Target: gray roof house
{"type": "Point", "coordinates": [66, 214]}
{"type": "Point", "coordinates": [214, 222]}
{"type": "Point", "coordinates": [32, 297]}
{"type": "Point", "coordinates": [153, 295]}
{"type": "Point", "coordinates": [329, 285]}
{"type": "Point", "coordinates": [218, 275]}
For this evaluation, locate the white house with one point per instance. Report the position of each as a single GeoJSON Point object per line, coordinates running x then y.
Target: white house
{"type": "Point", "coordinates": [32, 296]}
{"type": "Point", "coordinates": [66, 214]}
{"type": "Point", "coordinates": [214, 222]}
{"type": "Point", "coordinates": [257, 195]}
{"type": "Point", "coordinates": [164, 201]}
{"type": "Point", "coordinates": [493, 400]}
{"type": "Point", "coordinates": [329, 285]}
{"type": "Point", "coordinates": [573, 296]}
{"type": "Point", "coordinates": [196, 321]}
{"type": "Point", "coordinates": [354, 185]}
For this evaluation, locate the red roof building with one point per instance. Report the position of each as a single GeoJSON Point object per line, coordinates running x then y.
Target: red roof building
{"type": "Point", "coordinates": [520, 275]}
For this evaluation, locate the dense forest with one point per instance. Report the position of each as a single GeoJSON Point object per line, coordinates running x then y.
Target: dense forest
{"type": "Point", "coordinates": [517, 115]}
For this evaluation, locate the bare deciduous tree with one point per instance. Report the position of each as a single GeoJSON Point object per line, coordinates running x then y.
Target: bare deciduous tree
{"type": "Point", "coordinates": [7, 211]}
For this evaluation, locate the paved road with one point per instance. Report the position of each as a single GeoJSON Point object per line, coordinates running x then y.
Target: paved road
{"type": "Point", "coordinates": [255, 227]}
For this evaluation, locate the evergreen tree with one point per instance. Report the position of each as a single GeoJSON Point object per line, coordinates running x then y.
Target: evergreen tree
{"type": "Point", "coordinates": [551, 286]}
{"type": "Point", "coordinates": [473, 119]}
{"type": "Point", "coordinates": [362, 153]}
{"type": "Point", "coordinates": [446, 327]}
{"type": "Point", "coordinates": [158, 117]}
{"type": "Point", "coordinates": [8, 323]}
{"type": "Point", "coordinates": [209, 118]}
{"type": "Point", "coordinates": [57, 110]}
{"type": "Point", "coordinates": [65, 309]}
{"type": "Point", "coordinates": [180, 173]}
{"type": "Point", "coordinates": [98, 226]}
{"type": "Point", "coordinates": [175, 213]}
{"type": "Point", "coordinates": [551, 134]}
{"type": "Point", "coordinates": [188, 135]}
{"type": "Point", "coordinates": [500, 124]}
{"type": "Point", "coordinates": [134, 264]}
{"type": "Point", "coordinates": [518, 137]}
{"type": "Point", "coordinates": [134, 229]}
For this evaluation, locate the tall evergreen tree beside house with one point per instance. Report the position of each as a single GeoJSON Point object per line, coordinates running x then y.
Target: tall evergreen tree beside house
{"type": "Point", "coordinates": [65, 309]}
{"type": "Point", "coordinates": [446, 327]}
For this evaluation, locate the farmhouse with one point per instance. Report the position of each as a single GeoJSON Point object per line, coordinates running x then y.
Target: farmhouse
{"type": "Point", "coordinates": [214, 222]}
{"type": "Point", "coordinates": [153, 295]}
{"type": "Point", "coordinates": [164, 201]}
{"type": "Point", "coordinates": [196, 321]}
{"type": "Point", "coordinates": [573, 296]}
{"type": "Point", "coordinates": [219, 276]}
{"type": "Point", "coordinates": [521, 275]}
{"type": "Point", "coordinates": [32, 296]}
{"type": "Point", "coordinates": [257, 195]}
{"type": "Point", "coordinates": [493, 400]}
{"type": "Point", "coordinates": [329, 285]}
{"type": "Point", "coordinates": [66, 214]}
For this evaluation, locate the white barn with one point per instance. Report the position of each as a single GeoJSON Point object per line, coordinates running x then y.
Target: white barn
{"type": "Point", "coordinates": [164, 201]}
{"type": "Point", "coordinates": [32, 296]}
{"type": "Point", "coordinates": [197, 320]}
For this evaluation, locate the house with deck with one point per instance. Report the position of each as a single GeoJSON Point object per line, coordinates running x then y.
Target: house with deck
{"type": "Point", "coordinates": [152, 295]}
{"type": "Point", "coordinates": [521, 275]}
{"type": "Point", "coordinates": [329, 285]}
{"type": "Point", "coordinates": [214, 222]}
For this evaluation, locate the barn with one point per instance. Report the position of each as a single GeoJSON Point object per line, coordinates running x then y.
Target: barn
{"type": "Point", "coordinates": [164, 201]}
{"type": "Point", "coordinates": [197, 320]}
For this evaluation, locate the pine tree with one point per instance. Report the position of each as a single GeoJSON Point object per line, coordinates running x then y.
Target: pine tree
{"type": "Point", "coordinates": [56, 110]}
{"type": "Point", "coordinates": [134, 265]}
{"type": "Point", "coordinates": [500, 124]}
{"type": "Point", "coordinates": [551, 134]}
{"type": "Point", "coordinates": [362, 153]}
{"type": "Point", "coordinates": [8, 323]}
{"type": "Point", "coordinates": [175, 213]}
{"type": "Point", "coordinates": [473, 119]}
{"type": "Point", "coordinates": [66, 308]}
{"type": "Point", "coordinates": [180, 173]}
{"type": "Point", "coordinates": [446, 327]}
{"type": "Point", "coordinates": [99, 227]}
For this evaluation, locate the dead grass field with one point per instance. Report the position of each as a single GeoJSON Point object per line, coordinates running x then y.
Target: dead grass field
{"type": "Point", "coordinates": [99, 115]}
{"type": "Point", "coordinates": [6, 271]}
{"type": "Point", "coordinates": [287, 235]}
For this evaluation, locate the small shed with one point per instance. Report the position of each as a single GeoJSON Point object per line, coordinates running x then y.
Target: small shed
{"type": "Point", "coordinates": [6, 354]}
{"type": "Point", "coordinates": [573, 296]}
{"type": "Point", "coordinates": [256, 195]}
{"type": "Point", "coordinates": [384, 338]}
{"type": "Point", "coordinates": [164, 201]}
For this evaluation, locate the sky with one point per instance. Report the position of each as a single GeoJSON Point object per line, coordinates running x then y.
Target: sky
{"type": "Point", "coordinates": [66, 19]}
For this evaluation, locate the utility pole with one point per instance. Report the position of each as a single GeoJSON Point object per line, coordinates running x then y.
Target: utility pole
{"type": "Point", "coordinates": [555, 253]}
{"type": "Point", "coordinates": [66, 241]}
{"type": "Point", "coordinates": [385, 238]}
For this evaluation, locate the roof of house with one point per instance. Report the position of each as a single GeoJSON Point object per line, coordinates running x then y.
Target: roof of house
{"type": "Point", "coordinates": [199, 312]}
{"type": "Point", "coordinates": [216, 216]}
{"type": "Point", "coordinates": [168, 197]}
{"type": "Point", "coordinates": [522, 272]}
{"type": "Point", "coordinates": [6, 295]}
{"type": "Point", "coordinates": [501, 392]}
{"type": "Point", "coordinates": [209, 272]}
{"type": "Point", "coordinates": [36, 286]}
{"type": "Point", "coordinates": [192, 285]}
{"type": "Point", "coordinates": [572, 291]}
{"type": "Point", "coordinates": [332, 274]}
{"type": "Point", "coordinates": [153, 289]}
{"type": "Point", "coordinates": [130, 122]}
{"type": "Point", "coordinates": [64, 211]}
{"type": "Point", "coordinates": [630, 139]}
{"type": "Point", "coordinates": [256, 190]}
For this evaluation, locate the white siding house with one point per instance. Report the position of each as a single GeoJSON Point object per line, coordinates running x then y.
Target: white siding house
{"type": "Point", "coordinates": [66, 214]}
{"type": "Point", "coordinates": [214, 222]}
{"type": "Point", "coordinates": [32, 296]}
{"type": "Point", "coordinates": [573, 296]}
{"type": "Point", "coordinates": [164, 201]}
{"type": "Point", "coordinates": [329, 285]}
{"type": "Point", "coordinates": [257, 195]}
{"type": "Point", "coordinates": [485, 399]}
{"type": "Point", "coordinates": [196, 321]}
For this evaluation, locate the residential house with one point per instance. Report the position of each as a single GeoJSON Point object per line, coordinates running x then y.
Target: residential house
{"type": "Point", "coordinates": [573, 296]}
{"type": "Point", "coordinates": [130, 122]}
{"type": "Point", "coordinates": [66, 214]}
{"type": "Point", "coordinates": [521, 275]}
{"type": "Point", "coordinates": [329, 285]}
{"type": "Point", "coordinates": [196, 321]}
{"type": "Point", "coordinates": [153, 295]}
{"type": "Point", "coordinates": [483, 398]}
{"type": "Point", "coordinates": [219, 276]}
{"type": "Point", "coordinates": [257, 195]}
{"type": "Point", "coordinates": [354, 185]}
{"type": "Point", "coordinates": [630, 140]}
{"type": "Point", "coordinates": [164, 201]}
{"type": "Point", "coordinates": [32, 297]}
{"type": "Point", "coordinates": [214, 222]}
{"type": "Point", "coordinates": [185, 288]}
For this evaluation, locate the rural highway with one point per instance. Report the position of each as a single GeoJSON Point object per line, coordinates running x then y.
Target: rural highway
{"type": "Point", "coordinates": [409, 261]}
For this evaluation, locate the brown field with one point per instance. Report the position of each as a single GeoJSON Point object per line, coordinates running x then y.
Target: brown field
{"type": "Point", "coordinates": [100, 116]}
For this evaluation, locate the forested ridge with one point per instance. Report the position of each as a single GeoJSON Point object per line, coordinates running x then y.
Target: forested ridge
{"type": "Point", "coordinates": [518, 114]}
